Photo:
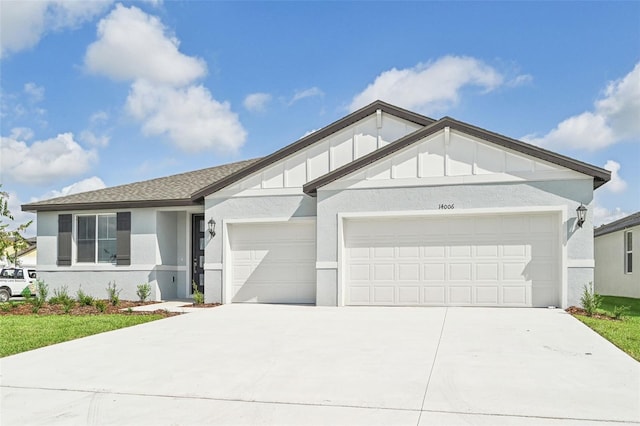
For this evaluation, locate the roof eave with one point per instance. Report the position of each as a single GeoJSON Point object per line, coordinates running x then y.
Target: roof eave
{"type": "Point", "coordinates": [105, 205]}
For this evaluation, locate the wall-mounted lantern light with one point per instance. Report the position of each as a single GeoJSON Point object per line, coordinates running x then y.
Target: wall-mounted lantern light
{"type": "Point", "coordinates": [212, 227]}
{"type": "Point", "coordinates": [581, 211]}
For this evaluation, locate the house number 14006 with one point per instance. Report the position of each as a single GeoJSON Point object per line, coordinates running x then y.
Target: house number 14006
{"type": "Point", "coordinates": [445, 206]}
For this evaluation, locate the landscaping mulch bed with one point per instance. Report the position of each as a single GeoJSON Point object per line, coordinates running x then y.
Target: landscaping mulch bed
{"type": "Point", "coordinates": [25, 308]}
{"type": "Point", "coordinates": [574, 310]}
{"type": "Point", "coordinates": [200, 305]}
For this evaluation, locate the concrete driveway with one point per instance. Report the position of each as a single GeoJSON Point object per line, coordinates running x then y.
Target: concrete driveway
{"type": "Point", "coordinates": [270, 364]}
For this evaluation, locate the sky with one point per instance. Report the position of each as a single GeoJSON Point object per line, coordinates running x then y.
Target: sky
{"type": "Point", "coordinates": [103, 93]}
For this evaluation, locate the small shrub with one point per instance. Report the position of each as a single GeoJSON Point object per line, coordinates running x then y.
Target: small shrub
{"type": "Point", "coordinates": [619, 312]}
{"type": "Point", "coordinates": [129, 310]}
{"type": "Point", "coordinates": [590, 300]}
{"type": "Point", "coordinates": [26, 293]}
{"type": "Point", "coordinates": [5, 307]}
{"type": "Point", "coordinates": [42, 291]}
{"type": "Point", "coordinates": [114, 293]}
{"type": "Point", "coordinates": [143, 292]}
{"type": "Point", "coordinates": [67, 304]}
{"type": "Point", "coordinates": [101, 305]}
{"type": "Point", "coordinates": [84, 299]}
{"type": "Point", "coordinates": [198, 298]}
{"type": "Point", "coordinates": [60, 296]}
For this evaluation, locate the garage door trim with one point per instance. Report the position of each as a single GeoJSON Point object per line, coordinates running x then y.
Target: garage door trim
{"type": "Point", "coordinates": [559, 211]}
{"type": "Point", "coordinates": [227, 284]}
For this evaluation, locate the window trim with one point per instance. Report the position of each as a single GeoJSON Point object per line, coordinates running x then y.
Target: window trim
{"type": "Point", "coordinates": [96, 239]}
{"type": "Point", "coordinates": [628, 251]}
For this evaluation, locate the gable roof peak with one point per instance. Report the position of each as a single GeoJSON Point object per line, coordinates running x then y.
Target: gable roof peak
{"type": "Point", "coordinates": [312, 138]}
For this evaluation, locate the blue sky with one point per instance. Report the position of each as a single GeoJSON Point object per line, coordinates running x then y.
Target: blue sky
{"type": "Point", "coordinates": [103, 93]}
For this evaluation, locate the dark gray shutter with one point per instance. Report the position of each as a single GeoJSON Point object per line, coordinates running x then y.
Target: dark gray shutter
{"type": "Point", "coordinates": [65, 222]}
{"type": "Point", "coordinates": [123, 235]}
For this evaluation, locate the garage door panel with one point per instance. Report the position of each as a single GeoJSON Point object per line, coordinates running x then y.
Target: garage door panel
{"type": "Point", "coordinates": [460, 295]}
{"type": "Point", "coordinates": [459, 272]}
{"type": "Point", "coordinates": [384, 294]}
{"type": "Point", "coordinates": [488, 260]}
{"type": "Point", "coordinates": [434, 272]}
{"type": "Point", "coordinates": [273, 263]}
{"type": "Point", "coordinates": [434, 295]}
{"type": "Point", "coordinates": [487, 295]}
{"type": "Point", "coordinates": [409, 295]}
{"type": "Point", "coordinates": [409, 272]}
{"type": "Point", "coordinates": [514, 295]}
{"type": "Point", "coordinates": [487, 272]}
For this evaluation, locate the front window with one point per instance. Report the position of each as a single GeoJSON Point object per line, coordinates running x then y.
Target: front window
{"type": "Point", "coordinates": [628, 252]}
{"type": "Point", "coordinates": [96, 243]}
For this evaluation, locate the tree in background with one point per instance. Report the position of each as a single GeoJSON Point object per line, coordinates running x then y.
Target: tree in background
{"type": "Point", "coordinates": [11, 241]}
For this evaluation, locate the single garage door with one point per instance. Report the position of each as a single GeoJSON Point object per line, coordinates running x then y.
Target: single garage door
{"type": "Point", "coordinates": [274, 262]}
{"type": "Point", "coordinates": [497, 260]}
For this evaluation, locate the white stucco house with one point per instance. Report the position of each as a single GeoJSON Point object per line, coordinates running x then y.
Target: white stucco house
{"type": "Point", "coordinates": [617, 256]}
{"type": "Point", "coordinates": [382, 207]}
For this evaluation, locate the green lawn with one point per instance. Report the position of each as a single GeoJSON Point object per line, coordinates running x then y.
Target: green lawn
{"type": "Point", "coordinates": [624, 334]}
{"type": "Point", "coordinates": [20, 333]}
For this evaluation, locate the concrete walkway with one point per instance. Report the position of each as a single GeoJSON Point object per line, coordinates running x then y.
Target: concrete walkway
{"type": "Point", "coordinates": [270, 364]}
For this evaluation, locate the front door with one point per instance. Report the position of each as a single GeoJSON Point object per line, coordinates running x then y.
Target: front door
{"type": "Point", "coordinates": [197, 252]}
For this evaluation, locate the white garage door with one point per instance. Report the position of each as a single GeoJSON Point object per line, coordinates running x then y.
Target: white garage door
{"type": "Point", "coordinates": [498, 260]}
{"type": "Point", "coordinates": [273, 263]}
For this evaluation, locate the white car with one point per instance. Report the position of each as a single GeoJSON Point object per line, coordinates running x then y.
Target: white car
{"type": "Point", "coordinates": [14, 280]}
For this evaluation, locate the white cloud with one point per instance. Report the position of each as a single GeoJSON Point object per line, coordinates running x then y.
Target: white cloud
{"type": "Point", "coordinates": [90, 138]}
{"type": "Point", "coordinates": [132, 45]}
{"type": "Point", "coordinates": [89, 184]}
{"type": "Point", "coordinates": [24, 23]}
{"type": "Point", "coordinates": [307, 93]}
{"type": "Point", "coordinates": [431, 86]}
{"type": "Point", "coordinates": [616, 184]}
{"type": "Point", "coordinates": [257, 102]}
{"type": "Point", "coordinates": [23, 133]}
{"type": "Point", "coordinates": [614, 118]}
{"type": "Point", "coordinates": [189, 116]}
{"type": "Point", "coordinates": [35, 92]}
{"type": "Point", "coordinates": [98, 118]}
{"type": "Point", "coordinates": [44, 161]}
{"type": "Point", "coordinates": [520, 80]}
{"type": "Point", "coordinates": [603, 215]}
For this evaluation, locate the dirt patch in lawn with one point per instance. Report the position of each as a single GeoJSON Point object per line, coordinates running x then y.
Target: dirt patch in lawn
{"type": "Point", "coordinates": [26, 308]}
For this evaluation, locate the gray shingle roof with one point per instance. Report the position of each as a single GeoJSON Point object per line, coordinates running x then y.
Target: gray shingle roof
{"type": "Point", "coordinates": [624, 223]}
{"type": "Point", "coordinates": [175, 190]}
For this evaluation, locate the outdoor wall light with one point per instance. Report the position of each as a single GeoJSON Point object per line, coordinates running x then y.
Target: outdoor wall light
{"type": "Point", "coordinates": [212, 227]}
{"type": "Point", "coordinates": [581, 211]}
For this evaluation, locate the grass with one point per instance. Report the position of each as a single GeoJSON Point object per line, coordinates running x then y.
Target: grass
{"type": "Point", "coordinates": [21, 333]}
{"type": "Point", "coordinates": [624, 334]}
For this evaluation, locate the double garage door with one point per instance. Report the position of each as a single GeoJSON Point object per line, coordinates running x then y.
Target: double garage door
{"type": "Point", "coordinates": [485, 260]}
{"type": "Point", "coordinates": [497, 260]}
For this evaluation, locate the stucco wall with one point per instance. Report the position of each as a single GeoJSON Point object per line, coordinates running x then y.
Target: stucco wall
{"type": "Point", "coordinates": [158, 257]}
{"type": "Point", "coordinates": [610, 278]}
{"type": "Point", "coordinates": [564, 194]}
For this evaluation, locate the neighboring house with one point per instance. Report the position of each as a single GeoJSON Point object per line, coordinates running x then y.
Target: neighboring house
{"type": "Point", "coordinates": [617, 254]}
{"type": "Point", "coordinates": [382, 207]}
{"type": "Point", "coordinates": [27, 257]}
